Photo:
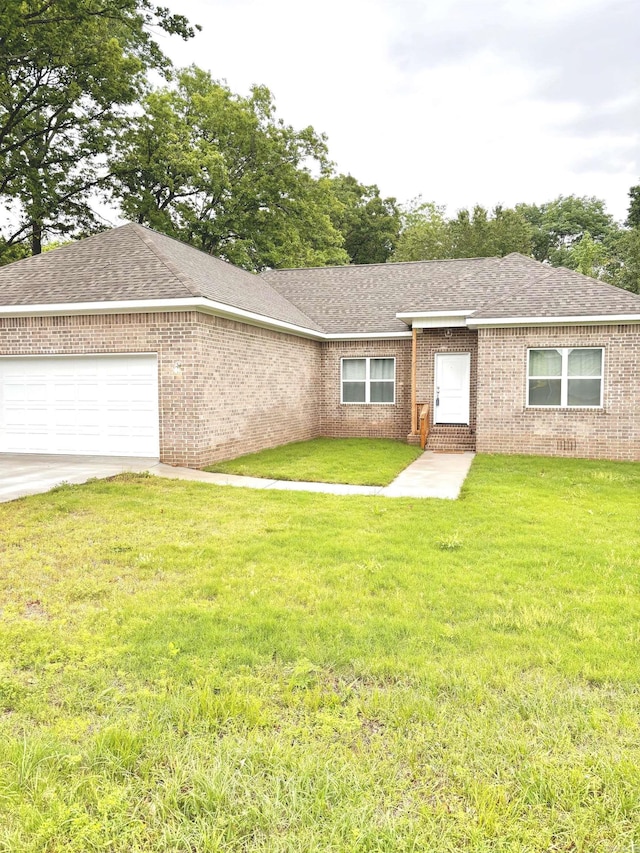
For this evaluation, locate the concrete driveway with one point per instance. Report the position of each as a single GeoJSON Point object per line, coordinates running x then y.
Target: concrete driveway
{"type": "Point", "coordinates": [29, 474]}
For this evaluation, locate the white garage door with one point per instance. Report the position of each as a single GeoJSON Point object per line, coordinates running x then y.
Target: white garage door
{"type": "Point", "coordinates": [102, 405]}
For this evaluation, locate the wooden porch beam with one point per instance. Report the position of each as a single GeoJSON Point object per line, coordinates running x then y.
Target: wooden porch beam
{"type": "Point", "coordinates": [414, 397]}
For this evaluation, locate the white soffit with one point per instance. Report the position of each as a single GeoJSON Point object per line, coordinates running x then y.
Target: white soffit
{"type": "Point", "coordinates": [588, 320]}
{"type": "Point", "coordinates": [435, 319]}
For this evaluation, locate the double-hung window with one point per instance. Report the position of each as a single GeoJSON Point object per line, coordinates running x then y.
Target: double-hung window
{"type": "Point", "coordinates": [368, 380]}
{"type": "Point", "coordinates": [565, 377]}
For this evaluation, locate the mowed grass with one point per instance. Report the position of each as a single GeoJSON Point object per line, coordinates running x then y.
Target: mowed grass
{"type": "Point", "coordinates": [356, 461]}
{"type": "Point", "coordinates": [192, 668]}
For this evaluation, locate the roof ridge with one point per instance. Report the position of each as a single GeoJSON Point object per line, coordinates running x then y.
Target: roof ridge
{"type": "Point", "coordinates": [140, 232]}
{"type": "Point", "coordinates": [380, 264]}
{"type": "Point", "coordinates": [604, 285]}
{"type": "Point", "coordinates": [143, 231]}
{"type": "Point", "coordinates": [182, 243]}
{"type": "Point", "coordinates": [495, 303]}
{"type": "Point", "coordinates": [547, 275]}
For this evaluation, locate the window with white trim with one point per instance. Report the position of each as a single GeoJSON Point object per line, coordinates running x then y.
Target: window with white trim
{"type": "Point", "coordinates": [368, 380]}
{"type": "Point", "coordinates": [566, 377]}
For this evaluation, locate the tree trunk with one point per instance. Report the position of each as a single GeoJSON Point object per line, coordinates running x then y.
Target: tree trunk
{"type": "Point", "coordinates": [36, 238]}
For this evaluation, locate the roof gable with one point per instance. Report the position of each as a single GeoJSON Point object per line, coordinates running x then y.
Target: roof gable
{"type": "Point", "coordinates": [132, 263]}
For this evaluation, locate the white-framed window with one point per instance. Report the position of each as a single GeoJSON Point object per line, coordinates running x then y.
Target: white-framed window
{"type": "Point", "coordinates": [368, 380]}
{"type": "Point", "coordinates": [565, 377]}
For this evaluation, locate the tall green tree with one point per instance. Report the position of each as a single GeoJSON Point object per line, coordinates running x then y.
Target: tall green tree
{"type": "Point", "coordinates": [224, 173]}
{"type": "Point", "coordinates": [590, 257]}
{"type": "Point", "coordinates": [424, 233]}
{"type": "Point", "coordinates": [480, 234]}
{"type": "Point", "coordinates": [510, 232]}
{"type": "Point", "coordinates": [369, 224]}
{"type": "Point", "coordinates": [623, 266]}
{"type": "Point", "coordinates": [68, 68]}
{"type": "Point", "coordinates": [633, 214]}
{"type": "Point", "coordinates": [559, 226]}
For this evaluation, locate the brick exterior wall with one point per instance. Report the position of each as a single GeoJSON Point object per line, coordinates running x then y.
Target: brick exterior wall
{"type": "Point", "coordinates": [360, 420]}
{"type": "Point", "coordinates": [506, 425]}
{"type": "Point", "coordinates": [227, 388]}
{"type": "Point", "coordinates": [254, 389]}
{"type": "Point", "coordinates": [224, 388]}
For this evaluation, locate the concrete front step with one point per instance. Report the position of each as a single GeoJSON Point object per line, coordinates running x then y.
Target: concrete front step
{"type": "Point", "coordinates": [451, 438]}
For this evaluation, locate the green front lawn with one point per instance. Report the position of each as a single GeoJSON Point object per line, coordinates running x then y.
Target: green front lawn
{"type": "Point", "coordinates": [192, 668]}
{"type": "Point", "coordinates": [357, 461]}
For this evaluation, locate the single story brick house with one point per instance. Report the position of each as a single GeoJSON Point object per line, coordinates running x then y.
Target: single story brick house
{"type": "Point", "coordinates": [132, 343]}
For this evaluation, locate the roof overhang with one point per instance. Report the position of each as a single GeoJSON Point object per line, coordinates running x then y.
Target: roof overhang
{"type": "Point", "coordinates": [435, 319]}
{"type": "Point", "coordinates": [416, 320]}
{"type": "Point", "coordinates": [149, 306]}
{"type": "Point", "coordinates": [574, 320]}
{"type": "Point", "coordinates": [206, 306]}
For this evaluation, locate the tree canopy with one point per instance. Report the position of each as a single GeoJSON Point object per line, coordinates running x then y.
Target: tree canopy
{"type": "Point", "coordinates": [368, 223]}
{"type": "Point", "coordinates": [80, 122]}
{"type": "Point", "coordinates": [633, 215]}
{"type": "Point", "coordinates": [224, 173]}
{"type": "Point", "coordinates": [559, 225]}
{"type": "Point", "coordinates": [428, 235]}
{"type": "Point", "coordinates": [67, 70]}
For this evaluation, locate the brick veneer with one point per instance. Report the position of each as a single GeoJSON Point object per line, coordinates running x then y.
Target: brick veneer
{"type": "Point", "coordinates": [506, 425]}
{"type": "Point", "coordinates": [224, 387]}
{"type": "Point", "coordinates": [366, 421]}
{"type": "Point", "coordinates": [228, 388]}
{"type": "Point", "coordinates": [254, 389]}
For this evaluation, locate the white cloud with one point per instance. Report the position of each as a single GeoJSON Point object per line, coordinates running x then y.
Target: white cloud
{"type": "Point", "coordinates": [458, 100]}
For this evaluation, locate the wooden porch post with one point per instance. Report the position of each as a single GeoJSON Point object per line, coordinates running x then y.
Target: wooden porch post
{"type": "Point", "coordinates": [414, 400]}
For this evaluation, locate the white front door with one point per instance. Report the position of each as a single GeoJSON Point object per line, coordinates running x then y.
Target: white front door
{"type": "Point", "coordinates": [105, 405]}
{"type": "Point", "coordinates": [453, 373]}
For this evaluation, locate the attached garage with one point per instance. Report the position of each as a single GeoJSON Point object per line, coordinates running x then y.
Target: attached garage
{"type": "Point", "coordinates": [104, 405]}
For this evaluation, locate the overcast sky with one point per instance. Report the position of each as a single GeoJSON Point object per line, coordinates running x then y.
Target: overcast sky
{"type": "Point", "coordinates": [460, 101]}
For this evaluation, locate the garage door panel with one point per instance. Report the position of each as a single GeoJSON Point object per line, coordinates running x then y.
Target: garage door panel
{"type": "Point", "coordinates": [15, 393]}
{"type": "Point", "coordinates": [64, 392]}
{"type": "Point", "coordinates": [21, 418]}
{"type": "Point", "coordinates": [103, 405]}
{"type": "Point", "coordinates": [120, 394]}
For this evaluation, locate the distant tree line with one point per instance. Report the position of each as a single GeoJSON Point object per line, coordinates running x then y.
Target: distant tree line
{"type": "Point", "coordinates": [80, 125]}
{"type": "Point", "coordinates": [571, 231]}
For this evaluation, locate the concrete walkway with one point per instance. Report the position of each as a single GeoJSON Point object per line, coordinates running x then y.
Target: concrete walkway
{"type": "Point", "coordinates": [432, 475]}
{"type": "Point", "coordinates": [23, 474]}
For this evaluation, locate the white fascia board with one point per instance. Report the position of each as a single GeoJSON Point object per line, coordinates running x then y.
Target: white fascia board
{"type": "Point", "coordinates": [145, 306]}
{"type": "Point", "coordinates": [197, 303]}
{"type": "Point", "coordinates": [590, 320]}
{"type": "Point", "coordinates": [434, 319]}
{"type": "Point", "coordinates": [366, 336]}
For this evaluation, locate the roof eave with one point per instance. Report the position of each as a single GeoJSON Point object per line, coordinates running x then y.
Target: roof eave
{"type": "Point", "coordinates": [569, 320]}
{"type": "Point", "coordinates": [200, 303]}
{"type": "Point", "coordinates": [147, 306]}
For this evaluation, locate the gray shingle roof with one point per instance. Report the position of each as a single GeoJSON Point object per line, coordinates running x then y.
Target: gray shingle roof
{"type": "Point", "coordinates": [136, 263]}
{"type": "Point", "coordinates": [133, 262]}
{"type": "Point", "coordinates": [560, 292]}
{"type": "Point", "coordinates": [367, 298]}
